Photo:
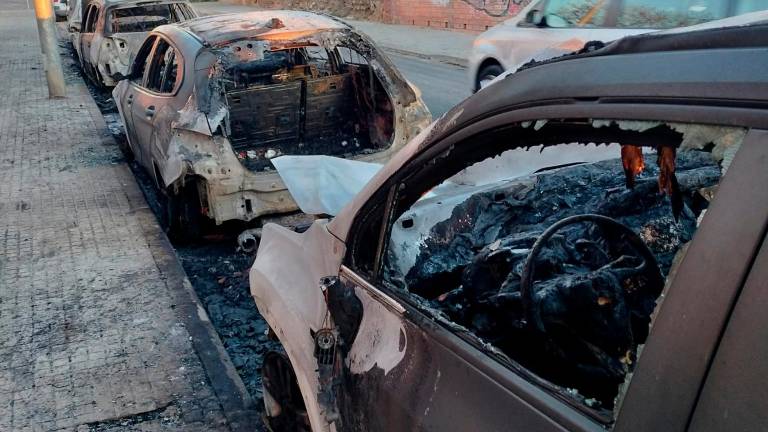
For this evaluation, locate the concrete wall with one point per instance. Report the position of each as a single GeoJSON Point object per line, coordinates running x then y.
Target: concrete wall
{"type": "Point", "coordinates": [472, 15]}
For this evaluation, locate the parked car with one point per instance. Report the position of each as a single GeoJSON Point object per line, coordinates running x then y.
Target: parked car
{"type": "Point", "coordinates": [445, 296]}
{"type": "Point", "coordinates": [110, 31]}
{"type": "Point", "coordinates": [74, 17]}
{"type": "Point", "coordinates": [209, 102]}
{"type": "Point", "coordinates": [60, 8]}
{"type": "Point", "coordinates": [543, 24]}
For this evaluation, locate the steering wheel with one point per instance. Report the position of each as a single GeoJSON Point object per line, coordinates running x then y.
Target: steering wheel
{"type": "Point", "coordinates": [621, 271]}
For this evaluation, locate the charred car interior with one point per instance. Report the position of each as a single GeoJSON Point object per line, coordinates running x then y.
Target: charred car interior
{"type": "Point", "coordinates": [556, 273]}
{"type": "Point", "coordinates": [303, 100]}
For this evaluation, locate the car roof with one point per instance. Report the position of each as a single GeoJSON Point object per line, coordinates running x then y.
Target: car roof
{"type": "Point", "coordinates": [638, 77]}
{"type": "Point", "coordinates": [285, 24]}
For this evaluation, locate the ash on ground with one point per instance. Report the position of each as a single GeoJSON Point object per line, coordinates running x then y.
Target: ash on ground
{"type": "Point", "coordinates": [220, 278]}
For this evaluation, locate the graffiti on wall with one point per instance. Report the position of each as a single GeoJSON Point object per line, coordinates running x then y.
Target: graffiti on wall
{"type": "Point", "coordinates": [495, 8]}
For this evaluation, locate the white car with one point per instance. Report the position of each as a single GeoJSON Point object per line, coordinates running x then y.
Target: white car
{"type": "Point", "coordinates": [74, 17]}
{"type": "Point", "coordinates": [546, 28]}
{"type": "Point", "coordinates": [60, 8]}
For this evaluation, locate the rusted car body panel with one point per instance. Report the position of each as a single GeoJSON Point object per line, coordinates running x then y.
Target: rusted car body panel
{"type": "Point", "coordinates": [221, 125]}
{"type": "Point", "coordinates": [403, 366]}
{"type": "Point", "coordinates": [104, 49]}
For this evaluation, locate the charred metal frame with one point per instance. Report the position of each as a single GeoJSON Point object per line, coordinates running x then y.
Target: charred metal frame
{"type": "Point", "coordinates": [686, 87]}
{"type": "Point", "coordinates": [425, 317]}
{"type": "Point", "coordinates": [193, 136]}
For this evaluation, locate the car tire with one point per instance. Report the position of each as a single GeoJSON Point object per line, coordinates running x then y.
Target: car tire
{"type": "Point", "coordinates": [487, 74]}
{"type": "Point", "coordinates": [181, 217]}
{"type": "Point", "coordinates": [125, 148]}
{"type": "Point", "coordinates": [283, 403]}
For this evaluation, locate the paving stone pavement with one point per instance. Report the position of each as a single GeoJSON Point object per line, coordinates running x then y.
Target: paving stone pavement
{"type": "Point", "coordinates": [99, 328]}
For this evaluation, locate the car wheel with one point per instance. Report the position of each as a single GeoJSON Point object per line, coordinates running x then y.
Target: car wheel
{"type": "Point", "coordinates": [284, 406]}
{"type": "Point", "coordinates": [487, 74]}
{"type": "Point", "coordinates": [181, 216]}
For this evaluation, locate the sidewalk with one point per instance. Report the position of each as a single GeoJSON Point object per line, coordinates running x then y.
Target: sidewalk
{"type": "Point", "coordinates": [99, 328]}
{"type": "Point", "coordinates": [440, 45]}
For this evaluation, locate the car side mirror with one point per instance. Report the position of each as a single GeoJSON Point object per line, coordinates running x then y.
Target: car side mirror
{"type": "Point", "coordinates": [553, 21]}
{"type": "Point", "coordinates": [534, 17]}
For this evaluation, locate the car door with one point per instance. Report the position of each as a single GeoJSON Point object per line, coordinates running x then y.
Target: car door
{"type": "Point", "coordinates": [702, 366]}
{"type": "Point", "coordinates": [154, 105]}
{"type": "Point", "coordinates": [86, 37]}
{"type": "Point", "coordinates": [734, 396]}
{"type": "Point", "coordinates": [125, 95]}
{"type": "Point", "coordinates": [410, 374]}
{"type": "Point", "coordinates": [409, 371]}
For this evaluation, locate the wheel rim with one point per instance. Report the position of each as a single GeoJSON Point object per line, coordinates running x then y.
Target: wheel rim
{"type": "Point", "coordinates": [486, 80]}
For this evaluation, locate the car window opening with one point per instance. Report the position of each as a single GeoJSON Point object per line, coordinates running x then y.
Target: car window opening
{"type": "Point", "coordinates": [612, 223]}
{"type": "Point", "coordinates": [163, 69]}
{"type": "Point", "coordinates": [145, 18]}
{"type": "Point", "coordinates": [303, 100]}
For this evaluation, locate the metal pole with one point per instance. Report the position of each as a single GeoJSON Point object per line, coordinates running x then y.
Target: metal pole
{"type": "Point", "coordinates": [49, 42]}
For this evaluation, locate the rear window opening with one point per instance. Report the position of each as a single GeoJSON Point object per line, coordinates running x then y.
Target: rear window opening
{"type": "Point", "coordinates": [145, 18]}
{"type": "Point", "coordinates": [305, 100]}
{"type": "Point", "coordinates": [556, 256]}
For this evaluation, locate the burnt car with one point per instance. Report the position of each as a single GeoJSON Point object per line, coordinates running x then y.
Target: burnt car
{"type": "Point", "coordinates": [460, 290]}
{"type": "Point", "coordinates": [211, 101]}
{"type": "Point", "coordinates": [108, 33]}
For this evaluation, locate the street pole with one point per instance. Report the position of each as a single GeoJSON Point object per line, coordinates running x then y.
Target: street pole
{"type": "Point", "coordinates": [46, 28]}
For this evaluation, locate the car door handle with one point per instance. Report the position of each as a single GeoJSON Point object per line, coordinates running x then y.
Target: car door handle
{"type": "Point", "coordinates": [150, 111]}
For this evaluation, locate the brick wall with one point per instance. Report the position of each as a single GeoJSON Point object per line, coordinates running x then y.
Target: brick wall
{"type": "Point", "coordinates": [472, 15]}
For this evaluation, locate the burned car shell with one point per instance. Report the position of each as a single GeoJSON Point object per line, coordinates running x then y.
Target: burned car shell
{"type": "Point", "coordinates": [191, 133]}
{"type": "Point", "coordinates": [407, 370]}
{"type": "Point", "coordinates": [106, 55]}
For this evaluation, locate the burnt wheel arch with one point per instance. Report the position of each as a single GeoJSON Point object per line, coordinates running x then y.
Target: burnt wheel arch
{"type": "Point", "coordinates": [181, 214]}
{"type": "Point", "coordinates": [282, 388]}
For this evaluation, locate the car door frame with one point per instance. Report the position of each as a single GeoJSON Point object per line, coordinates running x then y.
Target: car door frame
{"type": "Point", "coordinates": [560, 411]}
{"type": "Point", "coordinates": [735, 381]}
{"type": "Point", "coordinates": [86, 39]}
{"type": "Point", "coordinates": [126, 98]}
{"type": "Point", "coordinates": [689, 324]}
{"type": "Point", "coordinates": [145, 99]}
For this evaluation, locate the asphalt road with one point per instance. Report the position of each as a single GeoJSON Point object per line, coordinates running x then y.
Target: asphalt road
{"type": "Point", "coordinates": [15, 4]}
{"type": "Point", "coordinates": [442, 85]}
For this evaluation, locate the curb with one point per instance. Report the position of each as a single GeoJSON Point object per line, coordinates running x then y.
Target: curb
{"type": "Point", "coordinates": [453, 61]}
{"type": "Point", "coordinates": [236, 403]}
